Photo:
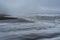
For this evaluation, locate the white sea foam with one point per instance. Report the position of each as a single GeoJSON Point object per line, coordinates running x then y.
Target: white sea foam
{"type": "Point", "coordinates": [29, 31]}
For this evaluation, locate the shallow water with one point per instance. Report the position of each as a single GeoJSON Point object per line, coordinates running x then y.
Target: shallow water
{"type": "Point", "coordinates": [41, 29]}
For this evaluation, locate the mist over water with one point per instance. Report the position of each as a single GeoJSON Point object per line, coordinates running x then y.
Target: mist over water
{"type": "Point", "coordinates": [30, 20]}
{"type": "Point", "coordinates": [18, 8]}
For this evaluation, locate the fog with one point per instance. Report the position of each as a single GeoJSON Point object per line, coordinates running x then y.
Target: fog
{"type": "Point", "coordinates": [29, 19]}
{"type": "Point", "coordinates": [17, 8]}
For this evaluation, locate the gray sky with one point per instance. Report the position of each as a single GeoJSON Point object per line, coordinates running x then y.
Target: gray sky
{"type": "Point", "coordinates": [30, 6]}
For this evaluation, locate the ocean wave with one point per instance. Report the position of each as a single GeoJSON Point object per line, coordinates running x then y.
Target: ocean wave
{"type": "Point", "coordinates": [30, 28]}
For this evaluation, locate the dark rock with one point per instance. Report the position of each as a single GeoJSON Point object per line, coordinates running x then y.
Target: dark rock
{"type": "Point", "coordinates": [13, 20]}
{"type": "Point", "coordinates": [7, 18]}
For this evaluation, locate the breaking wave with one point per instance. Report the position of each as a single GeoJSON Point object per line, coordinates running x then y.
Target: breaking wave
{"type": "Point", "coordinates": [30, 28]}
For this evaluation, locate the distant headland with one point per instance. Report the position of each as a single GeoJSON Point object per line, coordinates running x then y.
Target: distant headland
{"type": "Point", "coordinates": [7, 18]}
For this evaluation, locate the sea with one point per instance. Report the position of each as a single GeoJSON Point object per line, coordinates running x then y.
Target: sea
{"type": "Point", "coordinates": [36, 27]}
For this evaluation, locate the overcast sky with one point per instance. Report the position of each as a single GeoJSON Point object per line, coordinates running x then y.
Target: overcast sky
{"type": "Point", "coordinates": [30, 6]}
